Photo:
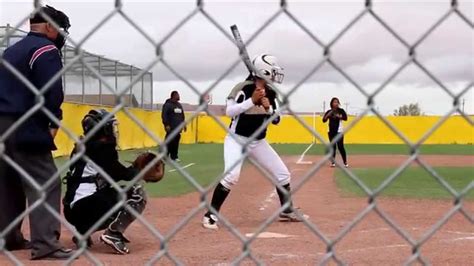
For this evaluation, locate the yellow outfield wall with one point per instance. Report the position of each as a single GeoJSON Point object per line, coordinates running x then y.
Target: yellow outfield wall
{"type": "Point", "coordinates": [368, 130]}
{"type": "Point", "coordinates": [204, 129]}
{"type": "Point", "coordinates": [131, 136]}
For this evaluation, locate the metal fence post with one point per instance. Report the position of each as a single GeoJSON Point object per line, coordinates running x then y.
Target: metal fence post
{"type": "Point", "coordinates": [143, 90]}
{"type": "Point", "coordinates": [100, 80]}
{"type": "Point", "coordinates": [83, 83]}
{"type": "Point", "coordinates": [152, 101]}
{"type": "Point", "coordinates": [130, 100]}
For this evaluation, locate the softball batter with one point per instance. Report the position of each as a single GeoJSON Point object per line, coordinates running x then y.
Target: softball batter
{"type": "Point", "coordinates": [250, 104]}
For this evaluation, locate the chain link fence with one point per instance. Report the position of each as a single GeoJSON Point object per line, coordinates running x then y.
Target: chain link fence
{"type": "Point", "coordinates": [80, 86]}
{"type": "Point", "coordinates": [78, 63]}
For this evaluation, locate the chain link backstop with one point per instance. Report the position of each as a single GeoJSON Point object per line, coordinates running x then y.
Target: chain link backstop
{"type": "Point", "coordinates": [79, 62]}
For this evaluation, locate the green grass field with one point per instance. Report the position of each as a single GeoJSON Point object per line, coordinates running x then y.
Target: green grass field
{"type": "Point", "coordinates": [208, 161]}
{"type": "Point", "coordinates": [414, 182]}
{"type": "Point", "coordinates": [208, 166]}
{"type": "Point", "coordinates": [318, 149]}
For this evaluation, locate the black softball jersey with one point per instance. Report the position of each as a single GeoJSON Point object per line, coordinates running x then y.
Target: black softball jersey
{"type": "Point", "coordinates": [248, 122]}
{"type": "Point", "coordinates": [335, 124]}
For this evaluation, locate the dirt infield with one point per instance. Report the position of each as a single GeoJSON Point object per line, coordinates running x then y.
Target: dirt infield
{"type": "Point", "coordinates": [371, 242]}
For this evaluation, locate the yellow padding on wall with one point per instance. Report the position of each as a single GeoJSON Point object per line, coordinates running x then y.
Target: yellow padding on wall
{"type": "Point", "coordinates": [204, 129]}
{"type": "Point", "coordinates": [131, 136]}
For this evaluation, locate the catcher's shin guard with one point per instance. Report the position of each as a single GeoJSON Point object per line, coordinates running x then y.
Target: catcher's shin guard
{"type": "Point", "coordinates": [136, 199]}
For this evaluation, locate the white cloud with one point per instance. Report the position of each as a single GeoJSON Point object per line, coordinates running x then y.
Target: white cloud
{"type": "Point", "coordinates": [367, 51]}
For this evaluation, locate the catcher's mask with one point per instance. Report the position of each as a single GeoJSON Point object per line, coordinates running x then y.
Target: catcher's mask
{"type": "Point", "coordinates": [94, 117]}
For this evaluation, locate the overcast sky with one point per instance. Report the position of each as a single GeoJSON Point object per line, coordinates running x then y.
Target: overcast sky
{"type": "Point", "coordinates": [367, 52]}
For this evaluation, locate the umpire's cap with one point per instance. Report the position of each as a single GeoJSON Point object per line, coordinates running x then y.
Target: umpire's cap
{"type": "Point", "coordinates": [57, 16]}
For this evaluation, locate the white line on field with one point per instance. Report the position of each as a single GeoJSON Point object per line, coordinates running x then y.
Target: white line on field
{"type": "Point", "coordinates": [372, 248]}
{"type": "Point", "coordinates": [268, 235]}
{"type": "Point", "coordinates": [268, 200]}
{"type": "Point", "coordinates": [459, 239]}
{"type": "Point", "coordinates": [186, 166]}
{"type": "Point", "coordinates": [300, 160]}
{"type": "Point", "coordinates": [286, 256]}
{"type": "Point", "coordinates": [397, 245]}
{"type": "Point", "coordinates": [375, 229]}
{"type": "Point", "coordinates": [304, 162]}
{"type": "Point", "coordinates": [460, 233]}
{"type": "Point", "coordinates": [297, 170]}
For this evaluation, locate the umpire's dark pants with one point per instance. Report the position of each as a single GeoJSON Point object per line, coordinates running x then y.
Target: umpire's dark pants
{"type": "Point", "coordinates": [14, 188]}
{"type": "Point", "coordinates": [173, 145]}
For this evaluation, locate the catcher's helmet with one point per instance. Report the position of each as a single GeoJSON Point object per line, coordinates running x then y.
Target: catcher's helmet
{"type": "Point", "coordinates": [267, 66]}
{"type": "Point", "coordinates": [90, 120]}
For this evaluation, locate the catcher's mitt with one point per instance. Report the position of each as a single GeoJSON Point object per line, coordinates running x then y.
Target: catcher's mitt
{"type": "Point", "coordinates": [155, 172]}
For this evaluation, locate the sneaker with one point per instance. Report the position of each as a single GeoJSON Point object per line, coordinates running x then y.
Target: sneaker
{"type": "Point", "coordinates": [346, 165]}
{"type": "Point", "coordinates": [177, 160]}
{"type": "Point", "coordinates": [60, 254]}
{"type": "Point", "coordinates": [115, 241]}
{"type": "Point", "coordinates": [333, 165]}
{"type": "Point", "coordinates": [294, 216]}
{"type": "Point", "coordinates": [210, 222]}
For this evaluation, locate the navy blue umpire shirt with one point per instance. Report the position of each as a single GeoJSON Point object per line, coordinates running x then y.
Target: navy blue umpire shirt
{"type": "Point", "coordinates": [38, 60]}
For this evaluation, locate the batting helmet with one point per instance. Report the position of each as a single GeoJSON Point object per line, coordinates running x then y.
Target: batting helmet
{"type": "Point", "coordinates": [267, 66]}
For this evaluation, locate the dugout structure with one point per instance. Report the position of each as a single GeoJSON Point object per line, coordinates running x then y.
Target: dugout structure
{"type": "Point", "coordinates": [81, 84]}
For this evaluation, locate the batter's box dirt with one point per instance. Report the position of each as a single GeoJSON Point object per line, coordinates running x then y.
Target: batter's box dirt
{"type": "Point", "coordinates": [371, 242]}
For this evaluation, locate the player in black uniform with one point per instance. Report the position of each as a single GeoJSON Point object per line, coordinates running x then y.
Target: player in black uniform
{"type": "Point", "coordinates": [89, 196]}
{"type": "Point", "coordinates": [336, 115]}
{"type": "Point", "coordinates": [250, 104]}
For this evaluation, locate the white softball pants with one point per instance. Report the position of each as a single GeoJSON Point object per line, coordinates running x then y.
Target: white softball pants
{"type": "Point", "coordinates": [261, 152]}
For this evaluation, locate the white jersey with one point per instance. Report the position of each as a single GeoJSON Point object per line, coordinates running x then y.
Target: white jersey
{"type": "Point", "coordinates": [85, 189]}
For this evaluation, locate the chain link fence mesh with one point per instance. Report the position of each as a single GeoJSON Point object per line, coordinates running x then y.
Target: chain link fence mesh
{"type": "Point", "coordinates": [140, 81]}
{"type": "Point", "coordinates": [80, 86]}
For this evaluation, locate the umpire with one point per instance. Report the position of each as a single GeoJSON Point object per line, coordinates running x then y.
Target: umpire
{"type": "Point", "coordinates": [172, 115]}
{"type": "Point", "coordinates": [37, 58]}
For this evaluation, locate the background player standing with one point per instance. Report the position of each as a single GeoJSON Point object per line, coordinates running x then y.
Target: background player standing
{"type": "Point", "coordinates": [172, 115]}
{"type": "Point", "coordinates": [335, 115]}
{"type": "Point", "coordinates": [250, 104]}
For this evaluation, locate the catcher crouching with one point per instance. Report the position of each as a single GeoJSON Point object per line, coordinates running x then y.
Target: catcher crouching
{"type": "Point", "coordinates": [89, 196]}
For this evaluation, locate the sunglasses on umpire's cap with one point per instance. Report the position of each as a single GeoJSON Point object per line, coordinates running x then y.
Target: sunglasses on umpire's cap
{"type": "Point", "coordinates": [57, 16]}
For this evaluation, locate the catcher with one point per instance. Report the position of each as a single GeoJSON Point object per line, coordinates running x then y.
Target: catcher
{"type": "Point", "coordinates": [89, 196]}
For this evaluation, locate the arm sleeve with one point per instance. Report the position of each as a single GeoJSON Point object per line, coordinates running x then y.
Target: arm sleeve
{"type": "Point", "coordinates": [234, 109]}
{"type": "Point", "coordinates": [344, 115]}
{"type": "Point", "coordinates": [164, 114]}
{"type": "Point", "coordinates": [325, 119]}
{"type": "Point", "coordinates": [276, 121]}
{"type": "Point", "coordinates": [275, 108]}
{"type": "Point", "coordinates": [115, 168]}
{"type": "Point", "coordinates": [183, 117]}
{"type": "Point", "coordinates": [45, 67]}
